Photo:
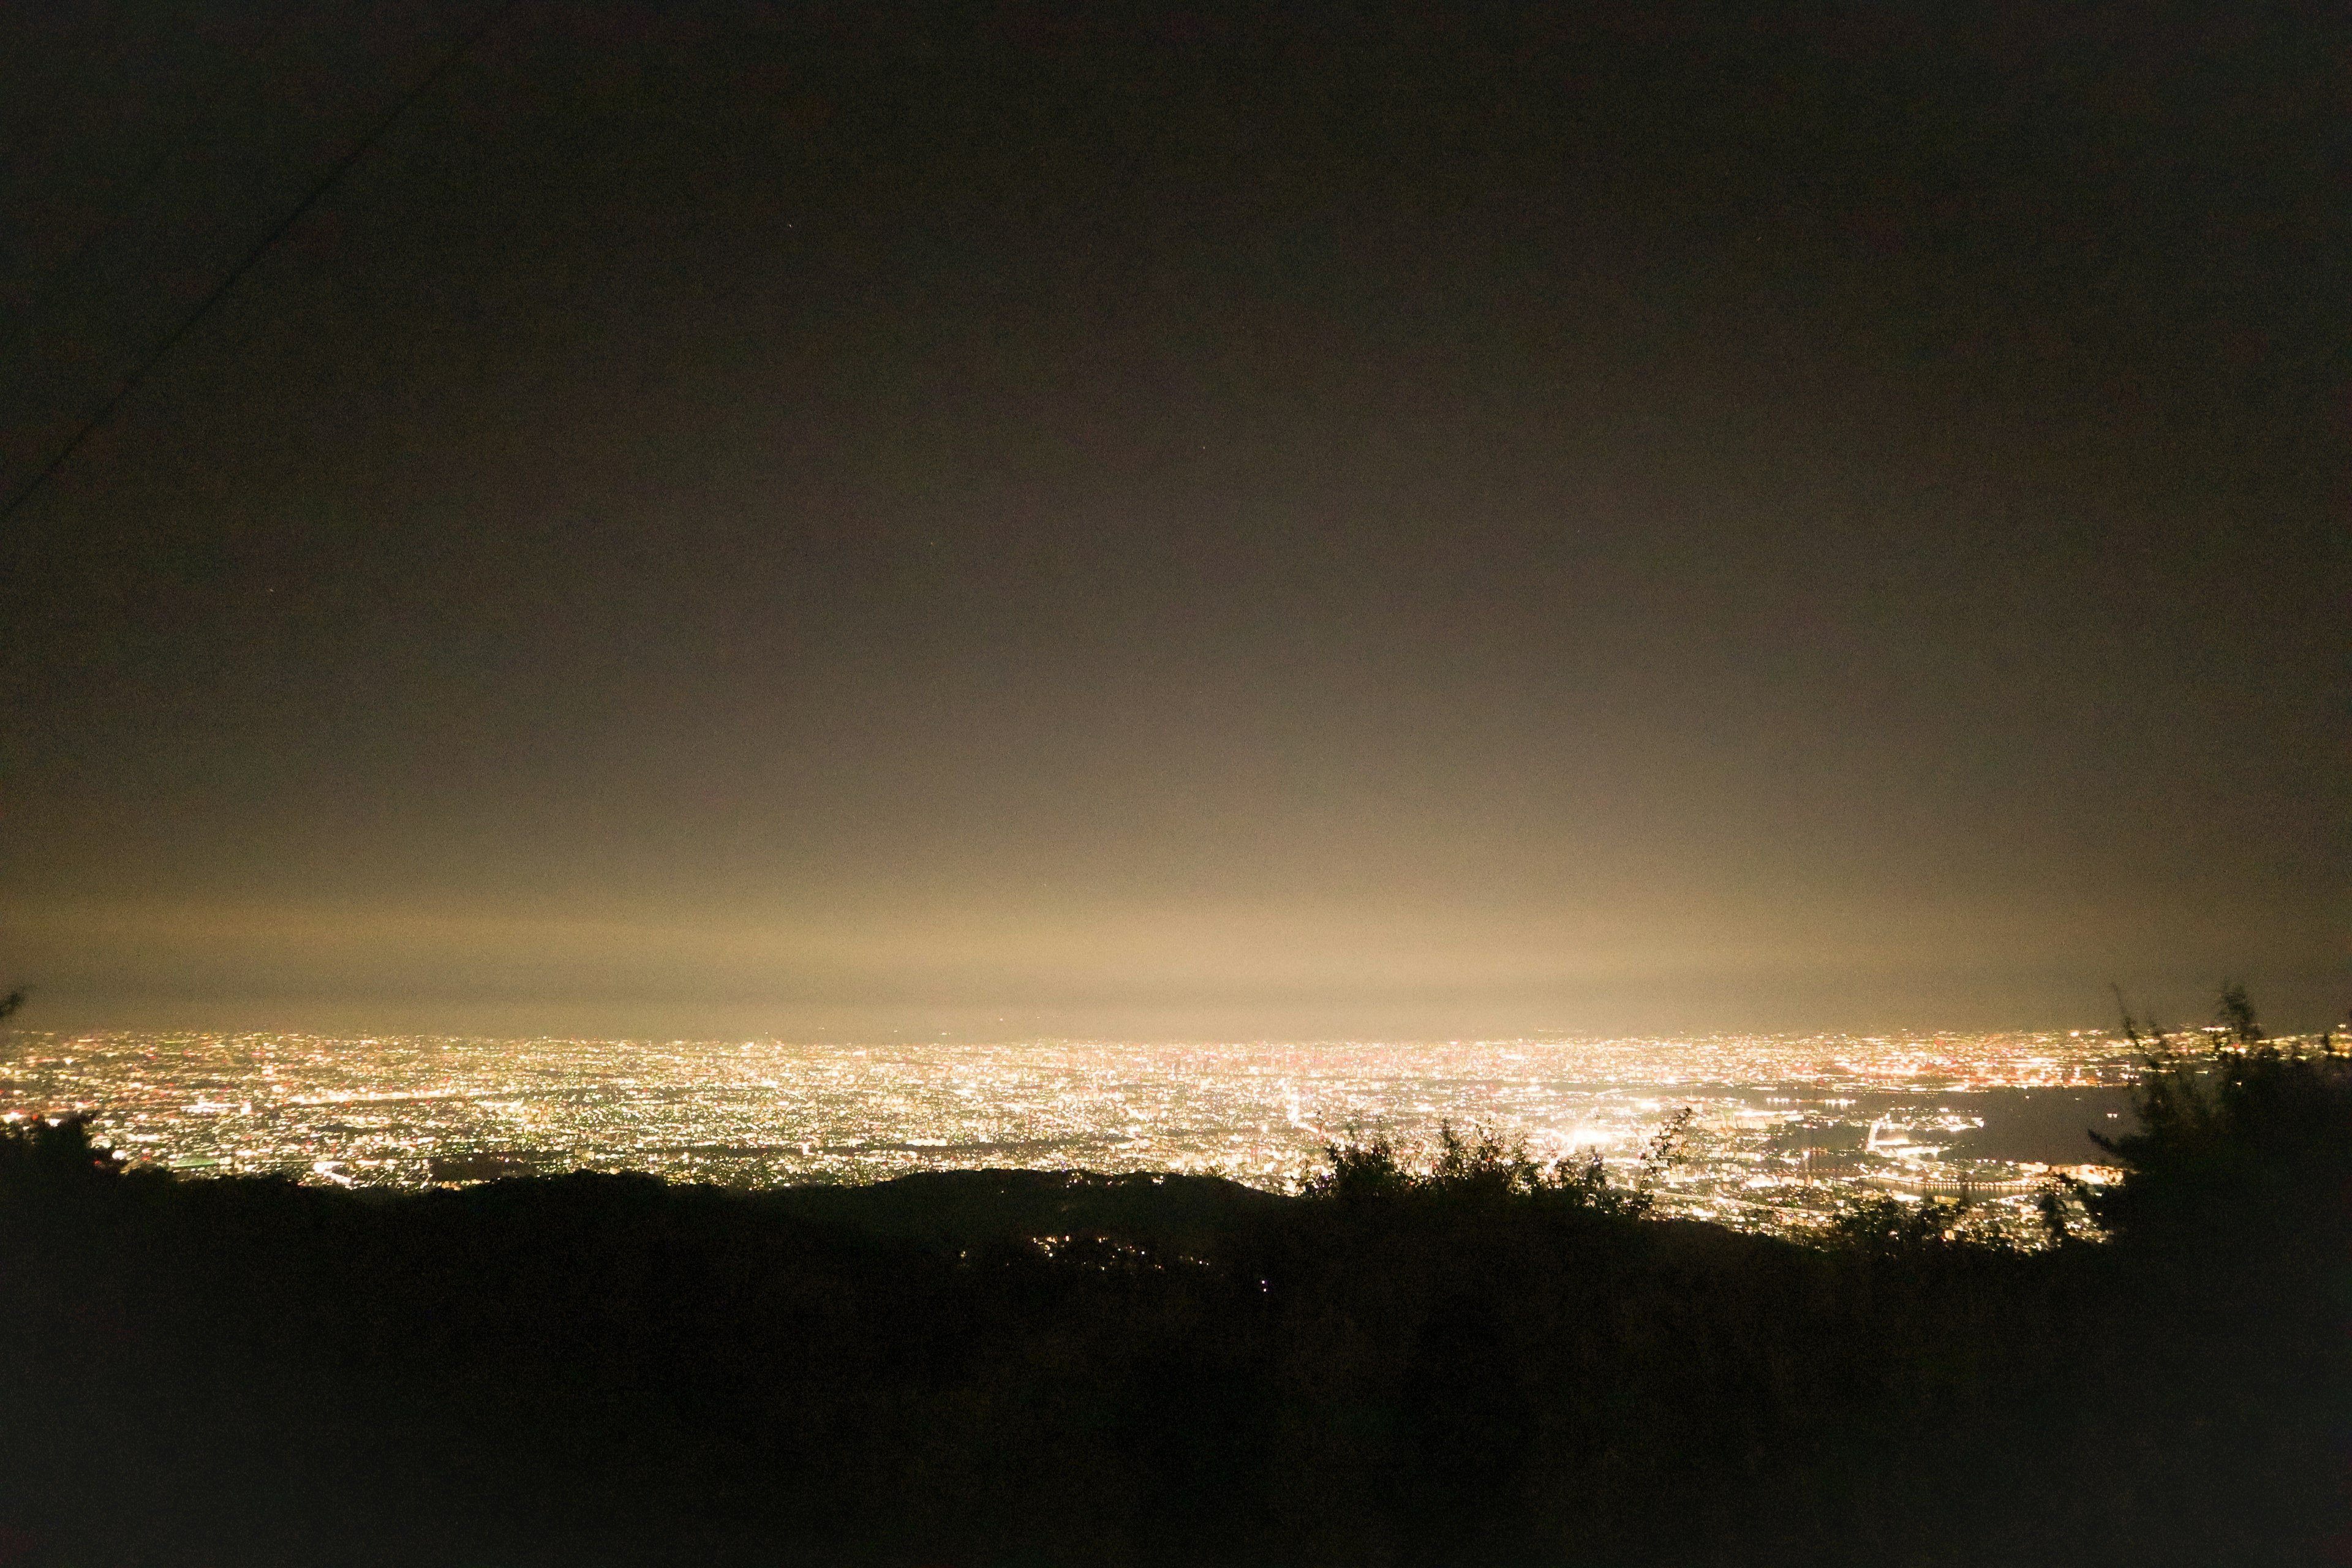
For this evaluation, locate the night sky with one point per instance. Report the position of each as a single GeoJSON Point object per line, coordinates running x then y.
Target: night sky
{"type": "Point", "coordinates": [1260, 520]}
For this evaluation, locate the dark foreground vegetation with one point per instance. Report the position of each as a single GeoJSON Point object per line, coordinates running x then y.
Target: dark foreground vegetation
{"type": "Point", "coordinates": [1480, 1362]}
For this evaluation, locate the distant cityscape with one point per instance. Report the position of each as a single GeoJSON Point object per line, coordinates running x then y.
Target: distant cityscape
{"type": "Point", "coordinates": [1782, 1128]}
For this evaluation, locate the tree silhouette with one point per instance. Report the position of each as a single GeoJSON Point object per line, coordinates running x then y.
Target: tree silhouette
{"type": "Point", "coordinates": [1478, 1169]}
{"type": "Point", "coordinates": [2238, 1135]}
{"type": "Point", "coordinates": [46, 1153]}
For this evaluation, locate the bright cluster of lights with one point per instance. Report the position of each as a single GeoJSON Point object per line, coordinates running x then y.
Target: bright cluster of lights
{"type": "Point", "coordinates": [1784, 1127]}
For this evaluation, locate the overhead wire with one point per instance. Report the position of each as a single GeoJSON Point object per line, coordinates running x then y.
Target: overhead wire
{"type": "Point", "coordinates": [318, 189]}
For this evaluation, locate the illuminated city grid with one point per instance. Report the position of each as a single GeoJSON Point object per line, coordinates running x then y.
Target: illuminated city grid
{"type": "Point", "coordinates": [1784, 1128]}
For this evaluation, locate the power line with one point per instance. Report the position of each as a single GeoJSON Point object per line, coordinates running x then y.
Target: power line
{"type": "Point", "coordinates": [358, 150]}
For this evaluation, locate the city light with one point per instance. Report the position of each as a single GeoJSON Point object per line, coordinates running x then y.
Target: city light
{"type": "Point", "coordinates": [1784, 1129]}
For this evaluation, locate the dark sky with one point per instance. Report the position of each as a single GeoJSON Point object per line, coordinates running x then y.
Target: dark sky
{"type": "Point", "coordinates": [1251, 520]}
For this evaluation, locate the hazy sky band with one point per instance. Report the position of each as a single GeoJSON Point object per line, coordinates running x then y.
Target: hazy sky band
{"type": "Point", "coordinates": [1660, 521]}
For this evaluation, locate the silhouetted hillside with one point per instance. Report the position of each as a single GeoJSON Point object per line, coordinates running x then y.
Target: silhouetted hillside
{"type": "Point", "coordinates": [1476, 1361]}
{"type": "Point", "coordinates": [974, 1208]}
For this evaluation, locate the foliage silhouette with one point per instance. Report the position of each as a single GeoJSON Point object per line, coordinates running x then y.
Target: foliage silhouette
{"type": "Point", "coordinates": [2240, 1140]}
{"type": "Point", "coordinates": [1477, 1170]}
{"type": "Point", "coordinates": [1889, 1225]}
{"type": "Point", "coordinates": [52, 1153]}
